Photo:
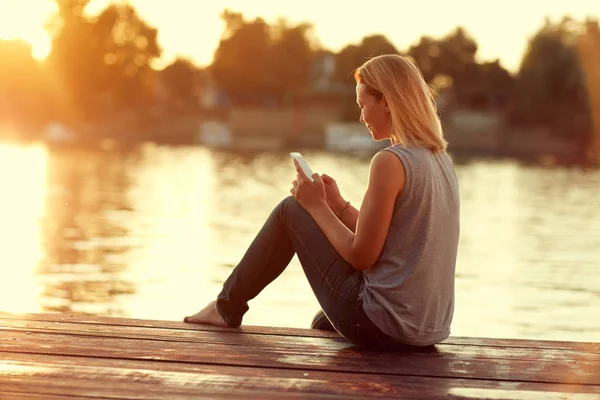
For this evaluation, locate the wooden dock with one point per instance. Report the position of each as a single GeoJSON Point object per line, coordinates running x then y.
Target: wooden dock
{"type": "Point", "coordinates": [57, 356]}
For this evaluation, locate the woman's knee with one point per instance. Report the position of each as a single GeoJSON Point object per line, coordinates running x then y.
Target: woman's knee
{"type": "Point", "coordinates": [289, 207]}
{"type": "Point", "coordinates": [289, 201]}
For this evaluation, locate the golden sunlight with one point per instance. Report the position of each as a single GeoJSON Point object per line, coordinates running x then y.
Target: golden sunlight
{"type": "Point", "coordinates": [508, 394]}
{"type": "Point", "coordinates": [23, 194]}
{"type": "Point", "coordinates": [25, 19]}
{"type": "Point", "coordinates": [193, 30]}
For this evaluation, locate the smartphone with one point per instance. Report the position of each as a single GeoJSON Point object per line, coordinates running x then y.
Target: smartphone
{"type": "Point", "coordinates": [303, 164]}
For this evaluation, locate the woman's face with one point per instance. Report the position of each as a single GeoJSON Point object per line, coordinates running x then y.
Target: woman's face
{"type": "Point", "coordinates": [373, 113]}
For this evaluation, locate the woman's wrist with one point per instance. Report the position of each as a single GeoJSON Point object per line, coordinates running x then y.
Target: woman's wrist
{"type": "Point", "coordinates": [342, 208]}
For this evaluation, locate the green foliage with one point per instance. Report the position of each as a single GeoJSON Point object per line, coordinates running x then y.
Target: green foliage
{"type": "Point", "coordinates": [483, 86]}
{"type": "Point", "coordinates": [353, 55]}
{"type": "Point", "coordinates": [551, 89]}
{"type": "Point", "coordinates": [257, 62]}
{"type": "Point", "coordinates": [589, 56]}
{"type": "Point", "coordinates": [451, 56]}
{"type": "Point", "coordinates": [182, 81]}
{"type": "Point", "coordinates": [101, 66]}
{"type": "Point", "coordinates": [102, 63]}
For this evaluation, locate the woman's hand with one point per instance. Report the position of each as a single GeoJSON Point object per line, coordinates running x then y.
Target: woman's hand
{"type": "Point", "coordinates": [335, 201]}
{"type": "Point", "coordinates": [310, 195]}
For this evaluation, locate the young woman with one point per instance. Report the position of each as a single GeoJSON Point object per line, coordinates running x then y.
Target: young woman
{"type": "Point", "coordinates": [384, 274]}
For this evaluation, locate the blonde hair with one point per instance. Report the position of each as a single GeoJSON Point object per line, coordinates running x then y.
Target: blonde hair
{"type": "Point", "coordinates": [397, 79]}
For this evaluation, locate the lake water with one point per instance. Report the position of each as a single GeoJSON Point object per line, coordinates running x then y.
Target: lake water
{"type": "Point", "coordinates": [153, 233]}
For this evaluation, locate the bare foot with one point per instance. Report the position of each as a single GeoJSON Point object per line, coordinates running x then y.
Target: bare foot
{"type": "Point", "coordinates": [208, 315]}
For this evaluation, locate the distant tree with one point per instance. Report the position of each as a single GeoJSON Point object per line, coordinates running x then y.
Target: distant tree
{"type": "Point", "coordinates": [292, 53]}
{"type": "Point", "coordinates": [589, 56]}
{"type": "Point", "coordinates": [482, 86]}
{"type": "Point", "coordinates": [550, 88]}
{"type": "Point", "coordinates": [450, 63]}
{"type": "Point", "coordinates": [241, 63]}
{"type": "Point", "coordinates": [182, 80]}
{"type": "Point", "coordinates": [258, 62]}
{"type": "Point", "coordinates": [127, 47]}
{"type": "Point", "coordinates": [497, 79]}
{"type": "Point", "coordinates": [353, 55]}
{"type": "Point", "coordinates": [23, 101]}
{"type": "Point", "coordinates": [103, 63]}
{"type": "Point", "coordinates": [72, 62]}
{"type": "Point", "coordinates": [447, 58]}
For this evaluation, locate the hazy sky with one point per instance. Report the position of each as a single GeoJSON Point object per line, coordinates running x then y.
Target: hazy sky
{"type": "Point", "coordinates": [192, 28]}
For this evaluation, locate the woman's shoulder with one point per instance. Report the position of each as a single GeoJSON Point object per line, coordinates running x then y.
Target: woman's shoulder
{"type": "Point", "coordinates": [385, 159]}
{"type": "Point", "coordinates": [420, 158]}
{"type": "Point", "coordinates": [409, 151]}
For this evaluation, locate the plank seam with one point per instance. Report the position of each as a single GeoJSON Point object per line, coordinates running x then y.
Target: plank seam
{"type": "Point", "coordinates": [310, 369]}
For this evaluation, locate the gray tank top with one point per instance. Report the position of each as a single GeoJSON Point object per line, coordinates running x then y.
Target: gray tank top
{"type": "Point", "coordinates": [409, 292]}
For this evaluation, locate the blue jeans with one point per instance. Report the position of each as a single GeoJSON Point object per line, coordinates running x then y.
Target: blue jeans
{"type": "Point", "coordinates": [291, 230]}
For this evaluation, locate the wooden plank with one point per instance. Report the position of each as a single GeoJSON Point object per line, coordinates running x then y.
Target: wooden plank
{"type": "Point", "coordinates": [78, 388]}
{"type": "Point", "coordinates": [134, 377]}
{"type": "Point", "coordinates": [502, 364]}
{"type": "Point", "coordinates": [592, 347]}
{"type": "Point", "coordinates": [10, 395]}
{"type": "Point", "coordinates": [277, 342]}
{"type": "Point", "coordinates": [504, 394]}
{"type": "Point", "coordinates": [95, 320]}
{"type": "Point", "coordinates": [587, 347]}
{"type": "Point", "coordinates": [231, 337]}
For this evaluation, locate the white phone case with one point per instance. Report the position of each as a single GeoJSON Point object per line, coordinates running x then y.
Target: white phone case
{"type": "Point", "coordinates": [303, 164]}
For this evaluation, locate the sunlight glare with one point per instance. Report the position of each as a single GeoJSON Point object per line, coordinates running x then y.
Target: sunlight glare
{"type": "Point", "coordinates": [22, 200]}
{"type": "Point", "coordinates": [512, 394]}
{"type": "Point", "coordinates": [24, 19]}
{"type": "Point", "coordinates": [194, 31]}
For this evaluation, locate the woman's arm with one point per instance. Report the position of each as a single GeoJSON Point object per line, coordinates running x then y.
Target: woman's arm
{"type": "Point", "coordinates": [362, 247]}
{"type": "Point", "coordinates": [348, 217]}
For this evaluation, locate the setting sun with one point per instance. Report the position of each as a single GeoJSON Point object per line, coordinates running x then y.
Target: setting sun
{"type": "Point", "coordinates": [24, 19]}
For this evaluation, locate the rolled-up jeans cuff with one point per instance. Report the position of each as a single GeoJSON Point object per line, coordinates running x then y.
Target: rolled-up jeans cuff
{"type": "Point", "coordinates": [231, 321]}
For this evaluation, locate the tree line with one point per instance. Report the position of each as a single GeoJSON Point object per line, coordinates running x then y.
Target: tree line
{"type": "Point", "coordinates": [100, 68]}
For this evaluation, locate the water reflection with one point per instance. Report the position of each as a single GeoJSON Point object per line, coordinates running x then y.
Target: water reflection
{"type": "Point", "coordinates": [83, 236]}
{"type": "Point", "coordinates": [529, 252]}
{"type": "Point", "coordinates": [22, 197]}
{"type": "Point", "coordinates": [153, 233]}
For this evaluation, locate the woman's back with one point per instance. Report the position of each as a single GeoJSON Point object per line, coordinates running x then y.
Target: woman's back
{"type": "Point", "coordinates": [409, 293]}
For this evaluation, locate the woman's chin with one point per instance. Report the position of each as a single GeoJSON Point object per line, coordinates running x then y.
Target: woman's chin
{"type": "Point", "coordinates": [376, 137]}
